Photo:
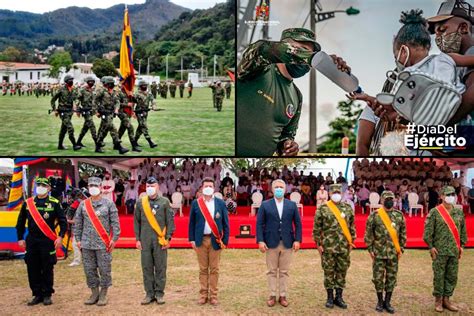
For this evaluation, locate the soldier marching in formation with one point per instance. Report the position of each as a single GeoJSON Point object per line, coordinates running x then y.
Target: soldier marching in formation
{"type": "Point", "coordinates": [173, 89]}
{"type": "Point", "coordinates": [228, 89]}
{"type": "Point", "coordinates": [124, 114]}
{"type": "Point", "coordinates": [144, 102]}
{"type": "Point", "coordinates": [87, 110]}
{"type": "Point", "coordinates": [181, 89]}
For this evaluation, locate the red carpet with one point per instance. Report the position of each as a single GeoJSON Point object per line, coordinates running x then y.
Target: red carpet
{"type": "Point", "coordinates": [180, 238]}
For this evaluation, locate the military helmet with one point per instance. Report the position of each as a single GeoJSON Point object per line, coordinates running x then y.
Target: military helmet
{"type": "Point", "coordinates": [89, 78]}
{"type": "Point", "coordinates": [108, 79]}
{"type": "Point", "coordinates": [142, 83]}
{"type": "Point", "coordinates": [68, 77]}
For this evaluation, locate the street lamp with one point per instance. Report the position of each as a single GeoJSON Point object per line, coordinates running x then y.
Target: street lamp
{"type": "Point", "coordinates": [167, 56]}
{"type": "Point", "coordinates": [315, 18]}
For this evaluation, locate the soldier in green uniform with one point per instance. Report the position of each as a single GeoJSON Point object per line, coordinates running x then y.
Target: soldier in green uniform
{"type": "Point", "coordinates": [181, 88]}
{"type": "Point", "coordinates": [154, 250]}
{"type": "Point", "coordinates": [219, 94]}
{"type": "Point", "coordinates": [87, 109]}
{"type": "Point", "coordinates": [228, 89]}
{"type": "Point", "coordinates": [213, 86]}
{"type": "Point", "coordinates": [124, 114]}
{"type": "Point", "coordinates": [108, 104]}
{"type": "Point", "coordinates": [383, 251]}
{"type": "Point", "coordinates": [173, 89]}
{"type": "Point", "coordinates": [154, 89]}
{"type": "Point", "coordinates": [444, 249]}
{"type": "Point", "coordinates": [269, 103]}
{"type": "Point", "coordinates": [144, 102]}
{"type": "Point", "coordinates": [333, 245]}
{"type": "Point", "coordinates": [164, 90]}
{"type": "Point", "coordinates": [66, 96]}
{"type": "Point", "coordinates": [190, 89]}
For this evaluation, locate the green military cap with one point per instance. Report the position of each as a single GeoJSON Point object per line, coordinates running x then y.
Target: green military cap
{"type": "Point", "coordinates": [94, 181]}
{"type": "Point", "coordinates": [89, 78]}
{"type": "Point", "coordinates": [68, 77]}
{"type": "Point", "coordinates": [142, 83]}
{"type": "Point", "coordinates": [300, 34]}
{"type": "Point", "coordinates": [447, 189]}
{"type": "Point", "coordinates": [335, 188]}
{"type": "Point", "coordinates": [43, 181]}
{"type": "Point", "coordinates": [387, 194]}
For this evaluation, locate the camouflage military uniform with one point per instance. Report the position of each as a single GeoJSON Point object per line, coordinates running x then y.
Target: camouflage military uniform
{"type": "Point", "coordinates": [144, 101]}
{"type": "Point", "coordinates": [108, 103]}
{"type": "Point", "coordinates": [438, 235]}
{"type": "Point", "coordinates": [213, 88]}
{"type": "Point", "coordinates": [154, 89]}
{"type": "Point", "coordinates": [269, 104]}
{"type": "Point", "coordinates": [190, 89]}
{"type": "Point", "coordinates": [164, 90]}
{"type": "Point", "coordinates": [153, 258]}
{"type": "Point", "coordinates": [219, 94]}
{"type": "Point", "coordinates": [87, 108]}
{"type": "Point", "coordinates": [228, 89]}
{"type": "Point", "coordinates": [125, 123]}
{"type": "Point", "coordinates": [181, 89]}
{"type": "Point", "coordinates": [173, 90]}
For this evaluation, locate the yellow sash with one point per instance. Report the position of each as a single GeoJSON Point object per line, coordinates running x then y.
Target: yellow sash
{"type": "Point", "coordinates": [153, 222]}
{"type": "Point", "coordinates": [341, 221]}
{"type": "Point", "coordinates": [391, 231]}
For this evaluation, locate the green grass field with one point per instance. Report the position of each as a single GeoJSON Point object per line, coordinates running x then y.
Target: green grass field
{"type": "Point", "coordinates": [242, 286]}
{"type": "Point", "coordinates": [184, 127]}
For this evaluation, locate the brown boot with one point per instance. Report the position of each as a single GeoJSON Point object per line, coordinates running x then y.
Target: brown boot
{"type": "Point", "coordinates": [448, 305]}
{"type": "Point", "coordinates": [283, 302]}
{"type": "Point", "coordinates": [439, 304]}
{"type": "Point", "coordinates": [213, 301]}
{"type": "Point", "coordinates": [271, 301]}
{"type": "Point", "coordinates": [202, 300]}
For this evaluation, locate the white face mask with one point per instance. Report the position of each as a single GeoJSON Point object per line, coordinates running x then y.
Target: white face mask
{"type": "Point", "coordinates": [336, 197]}
{"type": "Point", "coordinates": [94, 191]}
{"type": "Point", "coordinates": [401, 66]}
{"type": "Point", "coordinates": [450, 199]}
{"type": "Point", "coordinates": [150, 191]}
{"type": "Point", "coordinates": [41, 190]}
{"type": "Point", "coordinates": [208, 191]}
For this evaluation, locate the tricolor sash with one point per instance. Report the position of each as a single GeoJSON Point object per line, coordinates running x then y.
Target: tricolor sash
{"type": "Point", "coordinates": [450, 222]}
{"type": "Point", "coordinates": [153, 222]}
{"type": "Point", "coordinates": [391, 231]}
{"type": "Point", "coordinates": [96, 223]}
{"type": "Point", "coordinates": [40, 222]}
{"type": "Point", "coordinates": [212, 224]}
{"type": "Point", "coordinates": [342, 222]}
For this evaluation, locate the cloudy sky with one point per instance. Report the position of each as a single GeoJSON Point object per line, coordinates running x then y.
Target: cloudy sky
{"type": "Point", "coordinates": [46, 6]}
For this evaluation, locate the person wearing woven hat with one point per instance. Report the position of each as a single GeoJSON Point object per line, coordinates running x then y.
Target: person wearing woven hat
{"type": "Point", "coordinates": [154, 227]}
{"type": "Point", "coordinates": [42, 212]}
{"type": "Point", "coordinates": [269, 102]}
{"type": "Point", "coordinates": [334, 234]}
{"type": "Point", "coordinates": [66, 96]}
{"type": "Point", "coordinates": [445, 234]}
{"type": "Point", "coordinates": [144, 103]}
{"type": "Point", "coordinates": [385, 237]}
{"type": "Point", "coordinates": [97, 229]}
{"type": "Point", "coordinates": [87, 109]}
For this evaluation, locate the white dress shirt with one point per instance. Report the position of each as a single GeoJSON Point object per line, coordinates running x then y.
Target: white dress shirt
{"type": "Point", "coordinates": [211, 207]}
{"type": "Point", "coordinates": [279, 207]}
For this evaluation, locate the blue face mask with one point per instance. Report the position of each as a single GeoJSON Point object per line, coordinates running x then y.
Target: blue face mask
{"type": "Point", "coordinates": [279, 193]}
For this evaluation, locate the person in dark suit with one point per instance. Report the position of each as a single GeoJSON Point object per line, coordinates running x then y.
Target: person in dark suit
{"type": "Point", "coordinates": [208, 238]}
{"type": "Point", "coordinates": [279, 233]}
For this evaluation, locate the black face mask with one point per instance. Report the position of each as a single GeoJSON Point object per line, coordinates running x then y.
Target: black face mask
{"type": "Point", "coordinates": [90, 84]}
{"type": "Point", "coordinates": [111, 85]}
{"type": "Point", "coordinates": [388, 204]}
{"type": "Point", "coordinates": [143, 88]}
{"type": "Point", "coordinates": [69, 83]}
{"type": "Point", "coordinates": [297, 71]}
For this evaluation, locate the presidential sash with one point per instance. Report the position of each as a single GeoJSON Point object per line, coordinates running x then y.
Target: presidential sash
{"type": "Point", "coordinates": [342, 222]}
{"type": "Point", "coordinates": [391, 231]}
{"type": "Point", "coordinates": [40, 222]}
{"type": "Point", "coordinates": [450, 223]}
{"type": "Point", "coordinates": [96, 223]}
{"type": "Point", "coordinates": [153, 222]}
{"type": "Point", "coordinates": [212, 224]}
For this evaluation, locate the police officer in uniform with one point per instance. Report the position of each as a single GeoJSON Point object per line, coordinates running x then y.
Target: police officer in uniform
{"type": "Point", "coordinates": [143, 100]}
{"type": "Point", "coordinates": [383, 252]}
{"type": "Point", "coordinates": [444, 249]}
{"type": "Point", "coordinates": [96, 256]}
{"type": "Point", "coordinates": [153, 254]}
{"type": "Point", "coordinates": [333, 246]}
{"type": "Point", "coordinates": [269, 103]}
{"type": "Point", "coordinates": [87, 109]}
{"type": "Point", "coordinates": [40, 256]}
{"type": "Point", "coordinates": [66, 96]}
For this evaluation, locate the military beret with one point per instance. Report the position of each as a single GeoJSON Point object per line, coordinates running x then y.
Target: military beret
{"type": "Point", "coordinates": [446, 190]}
{"type": "Point", "coordinates": [300, 34]}
{"type": "Point", "coordinates": [142, 83]}
{"type": "Point", "coordinates": [387, 194]}
{"type": "Point", "coordinates": [151, 180]}
{"type": "Point", "coordinates": [335, 187]}
{"type": "Point", "coordinates": [89, 78]}
{"type": "Point", "coordinates": [94, 181]}
{"type": "Point", "coordinates": [44, 181]}
{"type": "Point", "coordinates": [68, 77]}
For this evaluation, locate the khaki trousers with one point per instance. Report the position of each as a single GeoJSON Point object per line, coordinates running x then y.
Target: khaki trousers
{"type": "Point", "coordinates": [208, 259]}
{"type": "Point", "coordinates": [278, 264]}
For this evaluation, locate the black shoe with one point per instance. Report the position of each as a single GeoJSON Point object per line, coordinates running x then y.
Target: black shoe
{"type": "Point", "coordinates": [98, 149]}
{"type": "Point", "coordinates": [35, 301]}
{"type": "Point", "coordinates": [135, 147]}
{"type": "Point", "coordinates": [47, 300]}
{"type": "Point", "coordinates": [151, 143]}
{"type": "Point", "coordinates": [386, 305]}
{"type": "Point", "coordinates": [330, 300]}
{"type": "Point", "coordinates": [379, 307]}
{"type": "Point", "coordinates": [339, 302]}
{"type": "Point", "coordinates": [76, 147]}
{"type": "Point", "coordinates": [121, 149]}
{"type": "Point", "coordinates": [61, 147]}
{"type": "Point", "coordinates": [79, 143]}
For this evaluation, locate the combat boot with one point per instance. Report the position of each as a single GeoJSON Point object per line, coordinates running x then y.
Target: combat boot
{"type": "Point", "coordinates": [379, 307]}
{"type": "Point", "coordinates": [121, 149]}
{"type": "Point", "coordinates": [135, 147]}
{"type": "Point", "coordinates": [386, 305]}
{"type": "Point", "coordinates": [147, 300]}
{"type": "Point", "coordinates": [79, 141]}
{"type": "Point", "coordinates": [35, 301]}
{"type": "Point", "coordinates": [60, 142]}
{"type": "Point", "coordinates": [339, 301]}
{"type": "Point", "coordinates": [448, 305]}
{"type": "Point", "coordinates": [47, 300]}
{"type": "Point", "coordinates": [151, 143]}
{"type": "Point", "coordinates": [330, 300]}
{"type": "Point", "coordinates": [102, 297]}
{"type": "Point", "coordinates": [94, 297]}
{"type": "Point", "coordinates": [74, 144]}
{"type": "Point", "coordinates": [98, 148]}
{"type": "Point", "coordinates": [439, 304]}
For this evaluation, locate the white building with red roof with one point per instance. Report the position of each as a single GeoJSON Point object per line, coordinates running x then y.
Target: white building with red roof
{"type": "Point", "coordinates": [27, 73]}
